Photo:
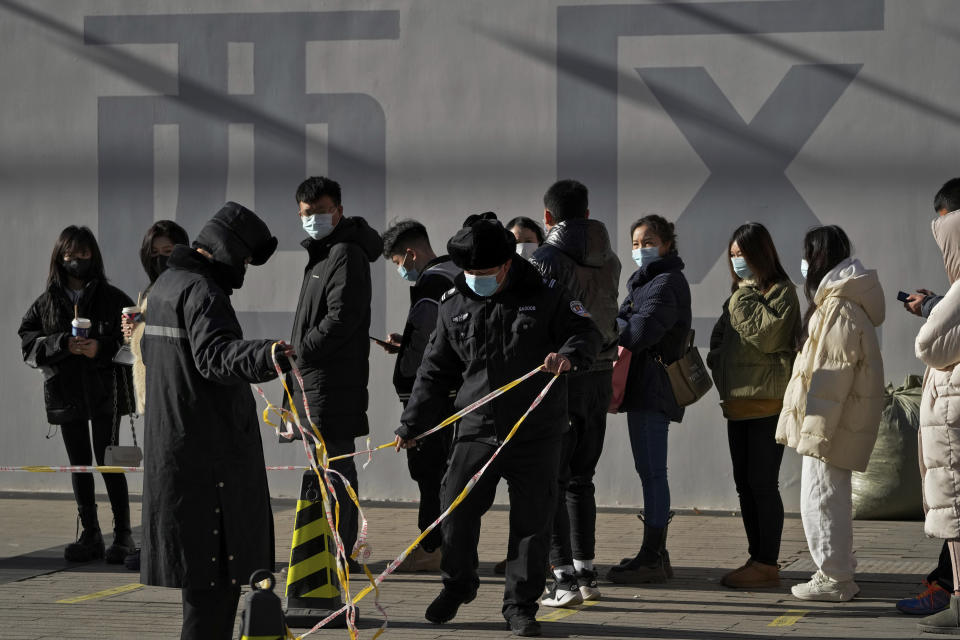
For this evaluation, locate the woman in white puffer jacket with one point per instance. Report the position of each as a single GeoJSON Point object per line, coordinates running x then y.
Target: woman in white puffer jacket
{"type": "Point", "coordinates": [938, 347]}
{"type": "Point", "coordinates": [831, 409]}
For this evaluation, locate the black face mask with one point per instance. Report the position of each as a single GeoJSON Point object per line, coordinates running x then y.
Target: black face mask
{"type": "Point", "coordinates": [158, 264]}
{"type": "Point", "coordinates": [79, 268]}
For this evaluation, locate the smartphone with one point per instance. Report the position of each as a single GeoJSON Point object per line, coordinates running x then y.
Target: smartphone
{"type": "Point", "coordinates": [383, 343]}
{"type": "Point", "coordinates": [902, 296]}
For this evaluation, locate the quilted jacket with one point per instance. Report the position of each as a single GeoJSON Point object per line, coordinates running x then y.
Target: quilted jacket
{"type": "Point", "coordinates": [938, 346]}
{"type": "Point", "coordinates": [831, 409]}
{"type": "Point", "coordinates": [752, 344]}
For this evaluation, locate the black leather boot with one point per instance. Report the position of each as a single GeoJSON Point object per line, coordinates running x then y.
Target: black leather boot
{"type": "Point", "coordinates": [648, 566]}
{"type": "Point", "coordinates": [89, 546]}
{"type": "Point", "coordinates": [123, 544]}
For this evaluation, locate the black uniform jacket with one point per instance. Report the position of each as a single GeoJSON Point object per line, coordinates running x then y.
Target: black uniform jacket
{"type": "Point", "coordinates": [204, 483]}
{"type": "Point", "coordinates": [331, 328]}
{"type": "Point", "coordinates": [578, 255]}
{"type": "Point", "coordinates": [77, 387]}
{"type": "Point", "coordinates": [491, 341]}
{"type": "Point", "coordinates": [425, 296]}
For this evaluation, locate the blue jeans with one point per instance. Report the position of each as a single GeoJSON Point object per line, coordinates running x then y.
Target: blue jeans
{"type": "Point", "coordinates": [648, 439]}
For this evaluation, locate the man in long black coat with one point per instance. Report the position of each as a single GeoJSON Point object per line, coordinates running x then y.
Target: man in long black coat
{"type": "Point", "coordinates": [207, 523]}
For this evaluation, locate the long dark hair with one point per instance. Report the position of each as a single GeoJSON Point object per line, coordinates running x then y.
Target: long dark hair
{"type": "Point", "coordinates": [160, 229]}
{"type": "Point", "coordinates": [823, 249]}
{"type": "Point", "coordinates": [758, 249]}
{"type": "Point", "coordinates": [73, 240]}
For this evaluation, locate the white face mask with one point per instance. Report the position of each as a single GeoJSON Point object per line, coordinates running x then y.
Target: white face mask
{"type": "Point", "coordinates": [645, 255]}
{"type": "Point", "coordinates": [318, 226]}
{"type": "Point", "coordinates": [804, 268]}
{"type": "Point", "coordinates": [526, 249]}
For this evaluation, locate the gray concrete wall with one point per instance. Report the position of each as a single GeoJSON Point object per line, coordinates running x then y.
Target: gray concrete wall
{"type": "Point", "coordinates": [790, 112]}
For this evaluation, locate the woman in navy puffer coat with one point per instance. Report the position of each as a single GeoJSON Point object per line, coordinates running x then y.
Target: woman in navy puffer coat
{"type": "Point", "coordinates": [654, 322]}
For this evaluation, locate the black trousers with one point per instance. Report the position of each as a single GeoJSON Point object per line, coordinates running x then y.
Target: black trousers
{"type": "Point", "coordinates": [427, 463]}
{"type": "Point", "coordinates": [575, 520]}
{"type": "Point", "coordinates": [348, 510]}
{"type": "Point", "coordinates": [943, 574]}
{"type": "Point", "coordinates": [210, 613]}
{"type": "Point", "coordinates": [756, 460]}
{"type": "Point", "coordinates": [76, 438]}
{"type": "Point", "coordinates": [530, 469]}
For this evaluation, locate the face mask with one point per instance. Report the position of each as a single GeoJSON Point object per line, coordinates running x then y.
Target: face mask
{"type": "Point", "coordinates": [804, 267]}
{"type": "Point", "coordinates": [645, 255]}
{"type": "Point", "coordinates": [158, 264]}
{"type": "Point", "coordinates": [78, 268]}
{"type": "Point", "coordinates": [526, 249]}
{"type": "Point", "coordinates": [318, 226]}
{"type": "Point", "coordinates": [410, 275]}
{"type": "Point", "coordinates": [483, 286]}
{"type": "Point", "coordinates": [741, 269]}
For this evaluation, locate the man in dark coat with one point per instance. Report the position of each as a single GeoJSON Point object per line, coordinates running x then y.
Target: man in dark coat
{"type": "Point", "coordinates": [207, 523]}
{"type": "Point", "coordinates": [498, 322]}
{"type": "Point", "coordinates": [331, 330]}
{"type": "Point", "coordinates": [407, 244]}
{"type": "Point", "coordinates": [578, 255]}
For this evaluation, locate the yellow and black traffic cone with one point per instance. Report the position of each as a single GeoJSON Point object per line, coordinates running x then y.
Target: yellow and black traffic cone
{"type": "Point", "coordinates": [312, 588]}
{"type": "Point", "coordinates": [262, 617]}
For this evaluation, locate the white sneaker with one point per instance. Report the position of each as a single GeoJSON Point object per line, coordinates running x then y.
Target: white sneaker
{"type": "Point", "coordinates": [565, 592]}
{"type": "Point", "coordinates": [587, 579]}
{"type": "Point", "coordinates": [825, 589]}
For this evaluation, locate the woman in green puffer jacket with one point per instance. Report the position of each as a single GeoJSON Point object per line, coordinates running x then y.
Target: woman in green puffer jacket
{"type": "Point", "coordinates": [752, 349]}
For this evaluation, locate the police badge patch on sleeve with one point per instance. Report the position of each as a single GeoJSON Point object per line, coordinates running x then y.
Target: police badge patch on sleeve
{"type": "Point", "coordinates": [577, 307]}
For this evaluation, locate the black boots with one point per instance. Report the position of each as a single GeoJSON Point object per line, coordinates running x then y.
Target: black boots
{"type": "Point", "coordinates": [123, 544]}
{"type": "Point", "coordinates": [652, 562]}
{"type": "Point", "coordinates": [89, 546]}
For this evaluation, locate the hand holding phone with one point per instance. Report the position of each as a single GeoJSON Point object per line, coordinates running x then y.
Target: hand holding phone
{"type": "Point", "coordinates": [903, 296]}
{"type": "Point", "coordinates": [389, 347]}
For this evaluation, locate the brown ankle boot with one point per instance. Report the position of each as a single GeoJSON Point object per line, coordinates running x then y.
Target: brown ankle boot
{"type": "Point", "coordinates": [753, 575]}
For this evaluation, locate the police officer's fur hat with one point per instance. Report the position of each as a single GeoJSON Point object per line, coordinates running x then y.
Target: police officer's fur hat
{"type": "Point", "coordinates": [482, 245]}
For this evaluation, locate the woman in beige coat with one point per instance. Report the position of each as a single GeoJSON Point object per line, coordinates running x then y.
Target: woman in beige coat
{"type": "Point", "coordinates": [938, 346]}
{"type": "Point", "coordinates": [831, 410]}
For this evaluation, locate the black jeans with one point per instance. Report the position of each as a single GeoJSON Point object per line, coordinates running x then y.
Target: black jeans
{"type": "Point", "coordinates": [756, 460]}
{"type": "Point", "coordinates": [427, 463]}
{"type": "Point", "coordinates": [210, 613]}
{"type": "Point", "coordinates": [943, 574]}
{"type": "Point", "coordinates": [76, 438]}
{"type": "Point", "coordinates": [575, 519]}
{"type": "Point", "coordinates": [530, 469]}
{"type": "Point", "coordinates": [348, 510]}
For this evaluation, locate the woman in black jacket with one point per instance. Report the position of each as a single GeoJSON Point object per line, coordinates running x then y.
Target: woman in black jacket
{"type": "Point", "coordinates": [654, 321]}
{"type": "Point", "coordinates": [81, 380]}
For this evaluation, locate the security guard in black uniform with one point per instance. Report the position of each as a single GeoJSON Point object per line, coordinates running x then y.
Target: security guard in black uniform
{"type": "Point", "coordinates": [498, 322]}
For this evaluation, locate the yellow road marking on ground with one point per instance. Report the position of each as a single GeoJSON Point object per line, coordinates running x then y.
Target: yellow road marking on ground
{"type": "Point", "coordinates": [102, 594]}
{"type": "Point", "coordinates": [789, 618]}
{"type": "Point", "coordinates": [560, 614]}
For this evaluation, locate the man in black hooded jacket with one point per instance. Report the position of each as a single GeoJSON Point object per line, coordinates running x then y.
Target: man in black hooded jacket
{"type": "Point", "coordinates": [331, 330]}
{"type": "Point", "coordinates": [207, 523]}
{"type": "Point", "coordinates": [577, 253]}
{"type": "Point", "coordinates": [498, 322]}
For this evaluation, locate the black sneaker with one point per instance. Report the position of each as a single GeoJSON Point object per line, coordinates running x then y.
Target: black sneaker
{"type": "Point", "coordinates": [565, 592]}
{"type": "Point", "coordinates": [587, 581]}
{"type": "Point", "coordinates": [524, 624]}
{"type": "Point", "coordinates": [444, 607]}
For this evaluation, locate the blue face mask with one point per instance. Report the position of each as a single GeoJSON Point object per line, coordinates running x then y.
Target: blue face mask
{"type": "Point", "coordinates": [741, 269]}
{"type": "Point", "coordinates": [645, 255]}
{"type": "Point", "coordinates": [410, 275]}
{"type": "Point", "coordinates": [804, 268]}
{"type": "Point", "coordinates": [318, 226]}
{"type": "Point", "coordinates": [483, 286]}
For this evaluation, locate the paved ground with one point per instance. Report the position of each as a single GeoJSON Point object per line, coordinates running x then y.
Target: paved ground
{"type": "Point", "coordinates": [108, 602]}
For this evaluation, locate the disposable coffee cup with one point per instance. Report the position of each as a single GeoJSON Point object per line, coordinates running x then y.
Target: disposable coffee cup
{"type": "Point", "coordinates": [81, 327]}
{"type": "Point", "coordinates": [131, 314]}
